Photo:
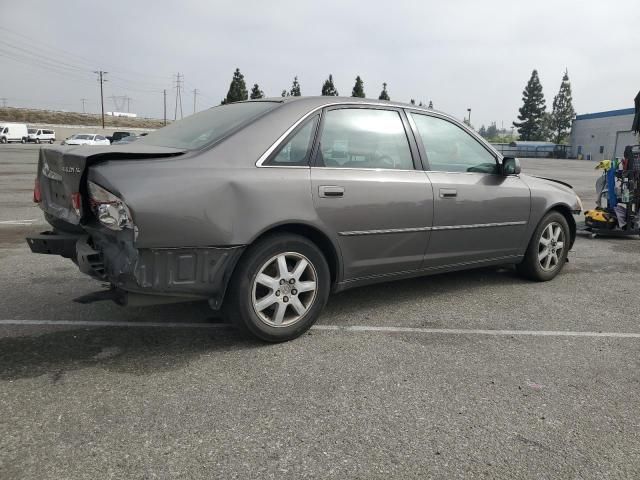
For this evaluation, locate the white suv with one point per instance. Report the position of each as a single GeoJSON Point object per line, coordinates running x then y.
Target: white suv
{"type": "Point", "coordinates": [39, 135]}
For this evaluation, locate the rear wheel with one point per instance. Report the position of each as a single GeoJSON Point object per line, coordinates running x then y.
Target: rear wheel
{"type": "Point", "coordinates": [51, 141]}
{"type": "Point", "coordinates": [37, 140]}
{"type": "Point", "coordinates": [547, 250]}
{"type": "Point", "coordinates": [279, 288]}
{"type": "Point", "coordinates": [23, 140]}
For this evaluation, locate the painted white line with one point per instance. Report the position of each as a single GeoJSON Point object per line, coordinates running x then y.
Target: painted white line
{"type": "Point", "coordinates": [100, 323]}
{"type": "Point", "coordinates": [352, 328]}
{"type": "Point", "coordinates": [471, 331]}
{"type": "Point", "coordinates": [17, 222]}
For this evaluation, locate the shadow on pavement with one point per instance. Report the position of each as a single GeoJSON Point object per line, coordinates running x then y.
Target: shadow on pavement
{"type": "Point", "coordinates": [133, 350]}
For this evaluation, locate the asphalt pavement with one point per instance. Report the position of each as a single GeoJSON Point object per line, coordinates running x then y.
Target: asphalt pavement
{"type": "Point", "coordinates": [474, 374]}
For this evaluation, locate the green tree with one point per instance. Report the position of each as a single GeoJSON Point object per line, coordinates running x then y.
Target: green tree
{"type": "Point", "coordinates": [284, 93]}
{"type": "Point", "coordinates": [358, 88]}
{"type": "Point", "coordinates": [562, 113]}
{"type": "Point", "coordinates": [492, 131]}
{"type": "Point", "coordinates": [237, 90]}
{"type": "Point", "coordinates": [328, 89]}
{"type": "Point", "coordinates": [256, 92]}
{"type": "Point", "coordinates": [412, 101]}
{"type": "Point", "coordinates": [532, 112]}
{"type": "Point", "coordinates": [295, 88]}
{"type": "Point", "coordinates": [430, 105]}
{"type": "Point", "coordinates": [384, 95]}
{"type": "Point", "coordinates": [483, 131]}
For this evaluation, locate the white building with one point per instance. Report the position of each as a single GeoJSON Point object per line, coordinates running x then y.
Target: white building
{"type": "Point", "coordinates": [602, 135]}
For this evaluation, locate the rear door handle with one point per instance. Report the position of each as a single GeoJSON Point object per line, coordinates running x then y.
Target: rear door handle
{"type": "Point", "coordinates": [448, 193]}
{"type": "Point", "coordinates": [330, 191]}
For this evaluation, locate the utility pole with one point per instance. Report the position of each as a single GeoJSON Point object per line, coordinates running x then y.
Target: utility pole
{"type": "Point", "coordinates": [128, 98]}
{"type": "Point", "coordinates": [83, 100]}
{"type": "Point", "coordinates": [195, 92]}
{"type": "Point", "coordinates": [101, 79]}
{"type": "Point", "coordinates": [469, 120]}
{"type": "Point", "coordinates": [164, 93]}
{"type": "Point", "coordinates": [179, 81]}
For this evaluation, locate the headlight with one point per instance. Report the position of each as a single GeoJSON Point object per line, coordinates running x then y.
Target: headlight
{"type": "Point", "coordinates": [110, 210]}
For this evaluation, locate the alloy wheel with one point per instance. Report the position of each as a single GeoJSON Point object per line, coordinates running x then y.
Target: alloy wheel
{"type": "Point", "coordinates": [551, 246]}
{"type": "Point", "coordinates": [284, 289]}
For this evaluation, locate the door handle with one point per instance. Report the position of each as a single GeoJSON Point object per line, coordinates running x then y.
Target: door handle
{"type": "Point", "coordinates": [330, 191]}
{"type": "Point", "coordinates": [448, 193]}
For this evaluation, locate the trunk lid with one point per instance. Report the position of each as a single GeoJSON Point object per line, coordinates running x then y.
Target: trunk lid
{"type": "Point", "coordinates": [62, 173]}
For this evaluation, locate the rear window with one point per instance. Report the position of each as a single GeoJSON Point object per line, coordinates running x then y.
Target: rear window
{"type": "Point", "coordinates": [207, 127]}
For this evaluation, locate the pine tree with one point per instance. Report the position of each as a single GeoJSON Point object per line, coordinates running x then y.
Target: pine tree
{"type": "Point", "coordinates": [256, 92]}
{"type": "Point", "coordinates": [237, 90]}
{"type": "Point", "coordinates": [284, 93]}
{"type": "Point", "coordinates": [384, 95]}
{"type": "Point", "coordinates": [492, 131]}
{"type": "Point", "coordinates": [563, 112]}
{"type": "Point", "coordinates": [358, 88]}
{"type": "Point", "coordinates": [483, 131]}
{"type": "Point", "coordinates": [413, 102]}
{"type": "Point", "coordinates": [420, 104]}
{"type": "Point", "coordinates": [532, 112]}
{"type": "Point", "coordinates": [295, 88]}
{"type": "Point", "coordinates": [328, 89]}
{"type": "Point", "coordinates": [430, 105]}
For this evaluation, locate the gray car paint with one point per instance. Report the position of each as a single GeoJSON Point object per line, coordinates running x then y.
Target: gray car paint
{"type": "Point", "coordinates": [220, 198]}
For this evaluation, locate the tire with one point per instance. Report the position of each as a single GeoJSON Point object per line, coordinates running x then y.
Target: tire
{"type": "Point", "coordinates": [545, 256]}
{"type": "Point", "coordinates": [3, 140]}
{"type": "Point", "coordinates": [37, 140]}
{"type": "Point", "coordinates": [272, 310]}
{"type": "Point", "coordinates": [51, 141]}
{"type": "Point", "coordinates": [23, 140]}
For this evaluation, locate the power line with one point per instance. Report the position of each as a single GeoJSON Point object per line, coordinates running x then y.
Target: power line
{"type": "Point", "coordinates": [179, 81]}
{"type": "Point", "coordinates": [83, 100]}
{"type": "Point", "coordinates": [195, 92]}
{"type": "Point", "coordinates": [101, 79]}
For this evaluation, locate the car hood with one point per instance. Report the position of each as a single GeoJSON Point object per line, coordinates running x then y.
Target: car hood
{"type": "Point", "coordinates": [534, 181]}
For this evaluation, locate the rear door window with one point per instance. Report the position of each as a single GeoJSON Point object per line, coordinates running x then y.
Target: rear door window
{"type": "Point", "coordinates": [296, 151]}
{"type": "Point", "coordinates": [364, 138]}
{"type": "Point", "coordinates": [451, 149]}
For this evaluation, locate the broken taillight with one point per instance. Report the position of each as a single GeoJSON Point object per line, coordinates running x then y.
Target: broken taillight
{"type": "Point", "coordinates": [37, 196]}
{"type": "Point", "coordinates": [110, 210]}
{"type": "Point", "coordinates": [76, 202]}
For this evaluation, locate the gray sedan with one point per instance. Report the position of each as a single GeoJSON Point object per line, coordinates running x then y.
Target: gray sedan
{"type": "Point", "coordinates": [265, 207]}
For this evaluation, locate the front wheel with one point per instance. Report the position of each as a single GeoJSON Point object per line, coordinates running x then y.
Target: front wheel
{"type": "Point", "coordinates": [547, 250]}
{"type": "Point", "coordinates": [279, 288]}
{"type": "Point", "coordinates": [37, 140]}
{"type": "Point", "coordinates": [3, 140]}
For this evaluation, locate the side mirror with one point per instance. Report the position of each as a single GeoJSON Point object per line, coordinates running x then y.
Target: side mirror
{"type": "Point", "coordinates": [510, 166]}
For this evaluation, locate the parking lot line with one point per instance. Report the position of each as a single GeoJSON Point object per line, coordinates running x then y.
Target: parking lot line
{"type": "Point", "coordinates": [347, 328]}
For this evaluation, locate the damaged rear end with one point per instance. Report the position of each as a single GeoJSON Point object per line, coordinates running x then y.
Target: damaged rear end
{"type": "Point", "coordinates": [94, 226]}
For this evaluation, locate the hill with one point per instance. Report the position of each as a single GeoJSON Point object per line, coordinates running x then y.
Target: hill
{"type": "Point", "coordinates": [30, 116]}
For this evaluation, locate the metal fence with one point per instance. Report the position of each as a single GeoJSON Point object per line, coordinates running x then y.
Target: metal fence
{"type": "Point", "coordinates": [531, 151]}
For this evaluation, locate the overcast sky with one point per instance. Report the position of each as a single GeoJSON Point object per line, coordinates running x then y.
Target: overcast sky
{"type": "Point", "coordinates": [458, 53]}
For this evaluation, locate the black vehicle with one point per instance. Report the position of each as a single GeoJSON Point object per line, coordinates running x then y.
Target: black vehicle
{"type": "Point", "coordinates": [118, 136]}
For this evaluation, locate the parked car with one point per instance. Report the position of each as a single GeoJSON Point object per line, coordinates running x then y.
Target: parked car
{"type": "Point", "coordinates": [13, 132]}
{"type": "Point", "coordinates": [265, 207]}
{"type": "Point", "coordinates": [40, 135]}
{"type": "Point", "coordinates": [117, 136]}
{"type": "Point", "coordinates": [127, 139]}
{"type": "Point", "coordinates": [86, 139]}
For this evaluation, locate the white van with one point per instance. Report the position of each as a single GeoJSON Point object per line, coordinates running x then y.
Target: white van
{"type": "Point", "coordinates": [13, 132]}
{"type": "Point", "coordinates": [40, 135]}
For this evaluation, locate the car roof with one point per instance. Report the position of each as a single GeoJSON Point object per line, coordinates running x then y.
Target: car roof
{"type": "Point", "coordinates": [322, 101]}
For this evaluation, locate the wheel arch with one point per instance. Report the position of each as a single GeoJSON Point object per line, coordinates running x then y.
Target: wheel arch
{"type": "Point", "coordinates": [565, 210]}
{"type": "Point", "coordinates": [314, 234]}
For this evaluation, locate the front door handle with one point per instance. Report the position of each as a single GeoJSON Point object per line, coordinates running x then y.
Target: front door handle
{"type": "Point", "coordinates": [448, 193]}
{"type": "Point", "coordinates": [330, 191]}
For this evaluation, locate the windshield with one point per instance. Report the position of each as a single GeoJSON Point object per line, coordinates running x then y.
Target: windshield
{"type": "Point", "coordinates": [206, 127]}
